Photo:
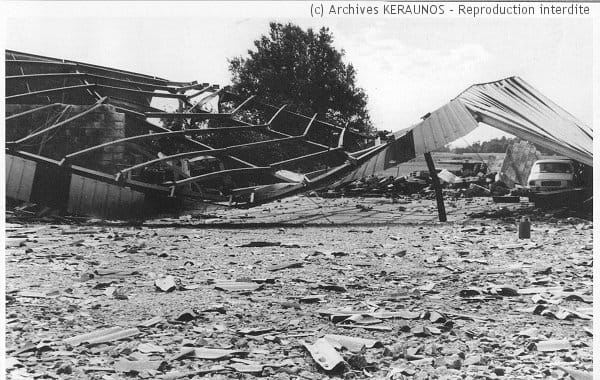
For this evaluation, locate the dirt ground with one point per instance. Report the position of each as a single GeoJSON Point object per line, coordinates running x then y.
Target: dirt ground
{"type": "Point", "coordinates": [460, 300]}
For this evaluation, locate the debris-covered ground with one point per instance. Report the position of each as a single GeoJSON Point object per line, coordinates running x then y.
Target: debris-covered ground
{"type": "Point", "coordinates": [398, 299]}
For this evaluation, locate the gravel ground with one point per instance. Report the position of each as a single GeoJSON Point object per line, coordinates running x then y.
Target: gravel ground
{"type": "Point", "coordinates": [464, 300]}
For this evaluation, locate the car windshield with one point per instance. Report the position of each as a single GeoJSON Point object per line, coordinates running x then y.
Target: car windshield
{"type": "Point", "coordinates": [553, 167]}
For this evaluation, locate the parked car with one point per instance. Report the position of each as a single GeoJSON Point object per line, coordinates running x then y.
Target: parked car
{"type": "Point", "coordinates": [551, 174]}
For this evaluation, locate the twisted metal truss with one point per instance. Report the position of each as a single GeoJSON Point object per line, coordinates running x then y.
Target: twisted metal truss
{"type": "Point", "coordinates": [213, 145]}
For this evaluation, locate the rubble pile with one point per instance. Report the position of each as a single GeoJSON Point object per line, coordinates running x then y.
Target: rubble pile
{"type": "Point", "coordinates": [462, 300]}
{"type": "Point", "coordinates": [420, 183]}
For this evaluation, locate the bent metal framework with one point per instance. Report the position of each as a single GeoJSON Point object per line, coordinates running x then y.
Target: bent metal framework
{"type": "Point", "coordinates": [88, 140]}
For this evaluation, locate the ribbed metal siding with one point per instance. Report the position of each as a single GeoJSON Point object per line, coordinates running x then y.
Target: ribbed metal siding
{"type": "Point", "coordinates": [91, 197]}
{"type": "Point", "coordinates": [444, 125]}
{"type": "Point", "coordinates": [19, 177]}
{"type": "Point", "coordinates": [371, 166]}
{"type": "Point", "coordinates": [513, 106]}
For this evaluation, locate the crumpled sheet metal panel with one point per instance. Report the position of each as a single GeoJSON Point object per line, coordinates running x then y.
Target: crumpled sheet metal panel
{"type": "Point", "coordinates": [510, 105]}
{"type": "Point", "coordinates": [89, 196]}
{"type": "Point", "coordinates": [375, 164]}
{"type": "Point", "coordinates": [513, 106]}
{"type": "Point", "coordinates": [517, 163]}
{"type": "Point", "coordinates": [446, 124]}
{"type": "Point", "coordinates": [19, 177]}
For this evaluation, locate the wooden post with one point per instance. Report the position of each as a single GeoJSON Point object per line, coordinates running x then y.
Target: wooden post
{"type": "Point", "coordinates": [437, 187]}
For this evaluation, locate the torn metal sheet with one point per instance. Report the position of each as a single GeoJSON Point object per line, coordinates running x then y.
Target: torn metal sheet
{"type": "Point", "coordinates": [577, 374]}
{"type": "Point", "coordinates": [324, 354]}
{"type": "Point", "coordinates": [351, 343]}
{"type": "Point", "coordinates": [515, 107]}
{"type": "Point", "coordinates": [166, 284]}
{"type": "Point", "coordinates": [235, 286]}
{"type": "Point", "coordinates": [510, 105]}
{"type": "Point", "coordinates": [338, 316]}
{"type": "Point", "coordinates": [127, 366]}
{"type": "Point", "coordinates": [290, 265]}
{"type": "Point", "coordinates": [207, 353]}
{"type": "Point", "coordinates": [517, 163]}
{"type": "Point", "coordinates": [553, 345]}
{"type": "Point", "coordinates": [91, 140]}
{"type": "Point", "coordinates": [255, 330]}
{"type": "Point", "coordinates": [246, 368]}
{"type": "Point", "coordinates": [102, 336]}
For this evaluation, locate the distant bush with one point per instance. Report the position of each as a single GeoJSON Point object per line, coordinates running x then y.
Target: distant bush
{"type": "Point", "coordinates": [496, 145]}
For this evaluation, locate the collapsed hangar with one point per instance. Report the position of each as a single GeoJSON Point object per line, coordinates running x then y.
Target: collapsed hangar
{"type": "Point", "coordinates": [84, 139]}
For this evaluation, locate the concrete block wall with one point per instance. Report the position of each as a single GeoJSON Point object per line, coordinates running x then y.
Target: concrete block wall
{"type": "Point", "coordinates": [102, 125]}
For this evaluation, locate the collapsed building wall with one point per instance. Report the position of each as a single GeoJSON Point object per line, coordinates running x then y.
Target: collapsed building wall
{"type": "Point", "coordinates": [87, 140]}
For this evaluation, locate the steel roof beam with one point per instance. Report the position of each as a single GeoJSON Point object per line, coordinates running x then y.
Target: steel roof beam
{"type": "Point", "coordinates": [141, 92]}
{"type": "Point", "coordinates": [183, 115]}
{"type": "Point", "coordinates": [58, 125]}
{"type": "Point", "coordinates": [42, 76]}
{"type": "Point", "coordinates": [28, 112]}
{"type": "Point", "coordinates": [42, 63]}
{"type": "Point", "coordinates": [209, 176]}
{"type": "Point", "coordinates": [242, 105]}
{"type": "Point", "coordinates": [212, 152]}
{"type": "Point", "coordinates": [168, 158]}
{"type": "Point", "coordinates": [158, 136]}
{"type": "Point", "coordinates": [302, 116]}
{"type": "Point", "coordinates": [48, 91]}
{"type": "Point", "coordinates": [305, 157]}
{"type": "Point", "coordinates": [91, 66]}
{"type": "Point", "coordinates": [200, 92]}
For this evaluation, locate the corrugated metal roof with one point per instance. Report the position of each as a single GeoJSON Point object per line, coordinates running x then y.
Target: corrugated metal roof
{"type": "Point", "coordinates": [513, 106]}
{"type": "Point", "coordinates": [444, 125]}
{"type": "Point", "coordinates": [510, 105]}
{"type": "Point", "coordinates": [441, 127]}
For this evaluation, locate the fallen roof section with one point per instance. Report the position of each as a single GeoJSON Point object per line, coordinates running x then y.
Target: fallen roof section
{"type": "Point", "coordinates": [510, 105]}
{"type": "Point", "coordinates": [90, 140]}
{"type": "Point", "coordinates": [515, 107]}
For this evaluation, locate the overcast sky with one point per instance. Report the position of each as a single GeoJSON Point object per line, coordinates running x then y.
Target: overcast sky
{"type": "Point", "coordinates": [407, 66]}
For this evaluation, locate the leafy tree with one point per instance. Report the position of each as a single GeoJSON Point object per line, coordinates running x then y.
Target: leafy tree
{"type": "Point", "coordinates": [302, 69]}
{"type": "Point", "coordinates": [495, 145]}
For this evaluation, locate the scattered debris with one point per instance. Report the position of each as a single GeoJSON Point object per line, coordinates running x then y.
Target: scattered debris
{"type": "Point", "coordinates": [261, 244]}
{"type": "Point", "coordinates": [552, 345]}
{"type": "Point", "coordinates": [324, 354]}
{"type": "Point", "coordinates": [397, 315]}
{"type": "Point", "coordinates": [207, 353]}
{"type": "Point", "coordinates": [352, 343]}
{"type": "Point", "coordinates": [577, 374]}
{"type": "Point", "coordinates": [293, 264]}
{"type": "Point", "coordinates": [137, 366]}
{"type": "Point", "coordinates": [102, 336]}
{"type": "Point", "coordinates": [166, 284]}
{"type": "Point", "coordinates": [235, 286]}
